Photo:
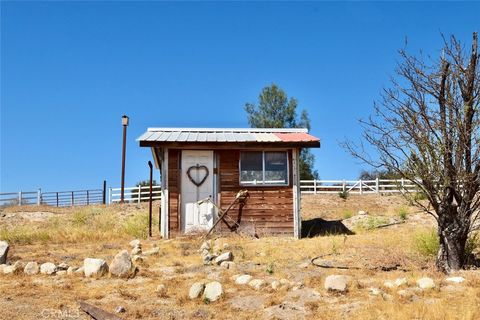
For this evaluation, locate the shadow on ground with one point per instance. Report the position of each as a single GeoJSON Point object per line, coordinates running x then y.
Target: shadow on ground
{"type": "Point", "coordinates": [320, 227]}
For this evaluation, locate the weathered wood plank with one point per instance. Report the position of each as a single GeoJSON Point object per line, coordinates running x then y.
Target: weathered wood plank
{"type": "Point", "coordinates": [97, 313]}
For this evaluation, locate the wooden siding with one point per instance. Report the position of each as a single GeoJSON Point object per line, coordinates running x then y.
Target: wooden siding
{"type": "Point", "coordinates": [269, 209]}
{"type": "Point", "coordinates": [174, 189]}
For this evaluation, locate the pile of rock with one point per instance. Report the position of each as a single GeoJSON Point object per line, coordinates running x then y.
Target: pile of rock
{"type": "Point", "coordinates": [214, 253]}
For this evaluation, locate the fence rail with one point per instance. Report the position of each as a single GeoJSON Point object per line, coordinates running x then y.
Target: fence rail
{"type": "Point", "coordinates": [357, 186]}
{"type": "Point", "coordinates": [141, 193]}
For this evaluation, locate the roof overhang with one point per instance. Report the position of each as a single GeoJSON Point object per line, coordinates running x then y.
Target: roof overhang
{"type": "Point", "coordinates": [228, 138]}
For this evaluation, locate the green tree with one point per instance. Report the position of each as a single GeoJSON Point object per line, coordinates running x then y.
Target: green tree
{"type": "Point", "coordinates": [276, 110]}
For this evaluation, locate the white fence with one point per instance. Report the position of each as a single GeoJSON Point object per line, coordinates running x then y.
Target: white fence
{"type": "Point", "coordinates": [134, 194]}
{"type": "Point", "coordinates": [357, 186]}
{"type": "Point", "coordinates": [139, 194]}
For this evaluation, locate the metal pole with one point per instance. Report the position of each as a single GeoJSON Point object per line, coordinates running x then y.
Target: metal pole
{"type": "Point", "coordinates": [73, 199]}
{"type": "Point", "coordinates": [39, 196]}
{"type": "Point", "coordinates": [150, 200]}
{"type": "Point", "coordinates": [88, 202]}
{"type": "Point", "coordinates": [57, 199]}
{"type": "Point", "coordinates": [124, 147]}
{"type": "Point", "coordinates": [20, 198]}
{"type": "Point", "coordinates": [104, 193]}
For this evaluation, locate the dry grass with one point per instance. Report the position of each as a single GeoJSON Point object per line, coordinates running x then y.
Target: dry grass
{"type": "Point", "coordinates": [74, 234]}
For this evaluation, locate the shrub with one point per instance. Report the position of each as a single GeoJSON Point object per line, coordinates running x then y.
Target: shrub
{"type": "Point", "coordinates": [343, 194]}
{"type": "Point", "coordinates": [371, 223]}
{"type": "Point", "coordinates": [137, 225]}
{"type": "Point", "coordinates": [473, 242]}
{"type": "Point", "coordinates": [426, 243]}
{"type": "Point", "coordinates": [402, 213]}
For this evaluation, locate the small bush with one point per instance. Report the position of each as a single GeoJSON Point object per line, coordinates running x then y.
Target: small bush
{"type": "Point", "coordinates": [270, 268]}
{"type": "Point", "coordinates": [473, 242]}
{"type": "Point", "coordinates": [371, 223]}
{"type": "Point", "coordinates": [24, 235]}
{"type": "Point", "coordinates": [402, 213]}
{"type": "Point", "coordinates": [426, 243]}
{"type": "Point", "coordinates": [343, 194]}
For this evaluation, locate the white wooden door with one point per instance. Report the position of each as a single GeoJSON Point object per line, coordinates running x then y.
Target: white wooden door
{"type": "Point", "coordinates": [197, 184]}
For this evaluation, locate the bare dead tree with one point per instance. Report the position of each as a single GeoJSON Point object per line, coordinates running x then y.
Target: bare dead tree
{"type": "Point", "coordinates": [426, 128]}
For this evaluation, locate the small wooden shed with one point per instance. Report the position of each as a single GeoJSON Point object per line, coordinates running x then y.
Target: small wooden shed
{"type": "Point", "coordinates": [196, 163]}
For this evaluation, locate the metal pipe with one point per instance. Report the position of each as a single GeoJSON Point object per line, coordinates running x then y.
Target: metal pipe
{"type": "Point", "coordinates": [150, 200]}
{"type": "Point", "coordinates": [124, 147]}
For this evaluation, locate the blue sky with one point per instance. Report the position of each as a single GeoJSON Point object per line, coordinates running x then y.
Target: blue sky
{"type": "Point", "coordinates": [69, 70]}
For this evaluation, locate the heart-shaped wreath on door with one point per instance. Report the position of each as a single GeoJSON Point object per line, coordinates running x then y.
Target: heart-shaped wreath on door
{"type": "Point", "coordinates": [198, 169]}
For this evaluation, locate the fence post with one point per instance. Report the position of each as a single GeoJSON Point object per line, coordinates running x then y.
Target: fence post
{"type": "Point", "coordinates": [73, 200]}
{"type": "Point", "coordinates": [110, 195]}
{"type": "Point", "coordinates": [88, 200]}
{"type": "Point", "coordinates": [104, 193]}
{"type": "Point", "coordinates": [57, 199]}
{"type": "Point", "coordinates": [139, 193]}
{"type": "Point", "coordinates": [39, 196]}
{"type": "Point", "coordinates": [403, 184]}
{"type": "Point", "coordinates": [361, 186]}
{"type": "Point", "coordinates": [315, 186]}
{"type": "Point", "coordinates": [377, 185]}
{"type": "Point", "coordinates": [344, 186]}
{"type": "Point", "coordinates": [20, 198]}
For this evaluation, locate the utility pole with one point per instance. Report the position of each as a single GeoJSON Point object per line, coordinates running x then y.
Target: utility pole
{"type": "Point", "coordinates": [124, 147]}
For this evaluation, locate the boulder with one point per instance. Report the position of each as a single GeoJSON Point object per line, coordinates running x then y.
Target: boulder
{"type": "Point", "coordinates": [375, 291]}
{"type": "Point", "coordinates": [338, 283]}
{"type": "Point", "coordinates": [3, 251]}
{"type": "Point", "coordinates": [257, 284]}
{"type": "Point", "coordinates": [135, 243]}
{"type": "Point", "coordinates": [61, 273]}
{"type": "Point", "coordinates": [213, 291]}
{"type": "Point", "coordinates": [31, 268]}
{"type": "Point", "coordinates": [227, 256]}
{"type": "Point", "coordinates": [425, 283]}
{"type": "Point", "coordinates": [48, 268]}
{"type": "Point", "coordinates": [207, 259]}
{"type": "Point", "coordinates": [120, 309]}
{"type": "Point", "coordinates": [389, 284]}
{"type": "Point", "coordinates": [275, 285]}
{"type": "Point", "coordinates": [121, 265]}
{"type": "Point", "coordinates": [94, 267]}
{"type": "Point", "coordinates": [243, 279]}
{"type": "Point", "coordinates": [196, 290]}
{"type": "Point", "coordinates": [455, 279]}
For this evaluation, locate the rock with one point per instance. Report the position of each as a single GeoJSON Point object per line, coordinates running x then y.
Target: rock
{"type": "Point", "coordinates": [61, 273]}
{"type": "Point", "coordinates": [13, 269]}
{"type": "Point", "coordinates": [31, 268]}
{"type": "Point", "coordinates": [205, 246]}
{"type": "Point", "coordinates": [257, 284]}
{"type": "Point", "coordinates": [135, 243]}
{"type": "Point", "coordinates": [213, 291]}
{"type": "Point", "coordinates": [62, 266]}
{"type": "Point", "coordinates": [389, 284]}
{"type": "Point", "coordinates": [275, 285]}
{"type": "Point", "coordinates": [227, 256]}
{"type": "Point", "coordinates": [121, 265]}
{"type": "Point", "coordinates": [71, 270]}
{"type": "Point", "coordinates": [3, 251]}
{"type": "Point", "coordinates": [196, 290]}
{"type": "Point", "coordinates": [304, 265]}
{"type": "Point", "coordinates": [455, 279]}
{"type": "Point", "coordinates": [136, 250]}
{"type": "Point", "coordinates": [94, 267]}
{"type": "Point", "coordinates": [228, 264]}
{"type": "Point", "coordinates": [425, 283]}
{"type": "Point", "coordinates": [400, 282]}
{"type": "Point", "coordinates": [207, 259]}
{"type": "Point", "coordinates": [161, 290]}
{"type": "Point", "coordinates": [362, 213]}
{"type": "Point", "coordinates": [120, 309]}
{"type": "Point", "coordinates": [152, 252]}
{"type": "Point", "coordinates": [375, 291]}
{"type": "Point", "coordinates": [48, 268]}
{"type": "Point", "coordinates": [337, 283]}
{"type": "Point", "coordinates": [243, 279]}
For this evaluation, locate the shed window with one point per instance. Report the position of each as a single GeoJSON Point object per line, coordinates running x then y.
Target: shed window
{"type": "Point", "coordinates": [264, 167]}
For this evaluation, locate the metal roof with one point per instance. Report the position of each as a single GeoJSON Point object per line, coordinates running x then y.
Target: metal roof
{"type": "Point", "coordinates": [228, 135]}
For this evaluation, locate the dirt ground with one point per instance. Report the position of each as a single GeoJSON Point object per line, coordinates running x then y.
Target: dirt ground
{"type": "Point", "coordinates": [66, 235]}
